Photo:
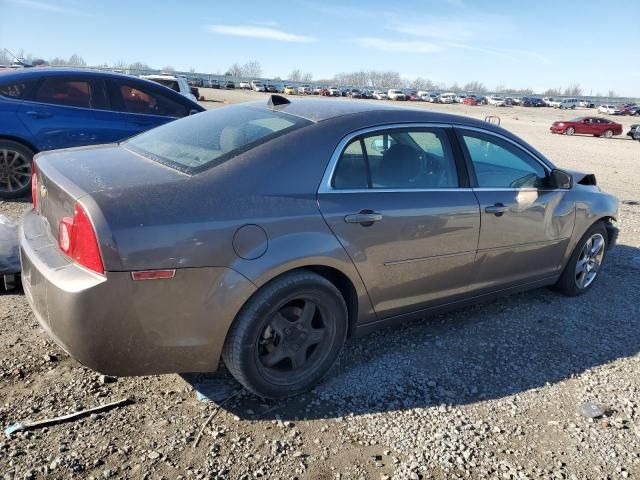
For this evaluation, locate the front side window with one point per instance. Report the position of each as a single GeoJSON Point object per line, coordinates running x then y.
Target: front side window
{"type": "Point", "coordinates": [499, 164]}
{"type": "Point", "coordinates": [398, 159]}
{"type": "Point", "coordinates": [64, 91]}
{"type": "Point", "coordinates": [139, 100]}
{"type": "Point", "coordinates": [202, 141]}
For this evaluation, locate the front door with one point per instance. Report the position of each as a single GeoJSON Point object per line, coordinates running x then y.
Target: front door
{"type": "Point", "coordinates": [525, 228]}
{"type": "Point", "coordinates": [400, 205]}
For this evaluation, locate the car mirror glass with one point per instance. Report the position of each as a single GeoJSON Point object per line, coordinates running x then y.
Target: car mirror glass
{"type": "Point", "coordinates": [559, 179]}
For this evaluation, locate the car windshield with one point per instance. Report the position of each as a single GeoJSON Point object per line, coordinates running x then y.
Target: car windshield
{"type": "Point", "coordinates": [202, 141]}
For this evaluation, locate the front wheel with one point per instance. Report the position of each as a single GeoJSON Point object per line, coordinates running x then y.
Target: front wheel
{"type": "Point", "coordinates": [15, 169]}
{"type": "Point", "coordinates": [570, 131]}
{"type": "Point", "coordinates": [287, 336]}
{"type": "Point", "coordinates": [585, 262]}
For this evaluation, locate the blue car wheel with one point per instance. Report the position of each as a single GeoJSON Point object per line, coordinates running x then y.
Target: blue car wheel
{"type": "Point", "coordinates": [15, 169]}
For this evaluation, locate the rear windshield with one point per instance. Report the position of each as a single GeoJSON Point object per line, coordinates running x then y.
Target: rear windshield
{"type": "Point", "coordinates": [208, 139]}
{"type": "Point", "coordinates": [172, 84]}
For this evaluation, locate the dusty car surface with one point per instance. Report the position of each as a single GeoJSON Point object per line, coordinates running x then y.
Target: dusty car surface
{"type": "Point", "coordinates": [266, 233]}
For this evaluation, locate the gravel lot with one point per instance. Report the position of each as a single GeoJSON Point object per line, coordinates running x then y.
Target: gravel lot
{"type": "Point", "coordinates": [492, 391]}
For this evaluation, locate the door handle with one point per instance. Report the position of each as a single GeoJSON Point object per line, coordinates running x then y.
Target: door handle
{"type": "Point", "coordinates": [34, 114]}
{"type": "Point", "coordinates": [498, 209]}
{"type": "Point", "coordinates": [365, 218]}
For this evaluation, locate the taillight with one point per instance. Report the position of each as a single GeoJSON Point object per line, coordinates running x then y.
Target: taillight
{"type": "Point", "coordinates": [34, 185]}
{"type": "Point", "coordinates": [77, 239]}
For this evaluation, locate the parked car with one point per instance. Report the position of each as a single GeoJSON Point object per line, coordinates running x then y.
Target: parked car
{"type": "Point", "coordinates": [566, 104]}
{"type": "Point", "coordinates": [196, 82]}
{"type": "Point", "coordinates": [470, 101]}
{"type": "Point", "coordinates": [51, 108]}
{"type": "Point", "coordinates": [213, 83]}
{"type": "Point", "coordinates": [281, 241]}
{"type": "Point", "coordinates": [176, 83]}
{"type": "Point", "coordinates": [634, 111]}
{"type": "Point", "coordinates": [305, 89]}
{"type": "Point", "coordinates": [379, 95]}
{"type": "Point", "coordinates": [532, 102]}
{"type": "Point", "coordinates": [628, 109]}
{"type": "Point", "coordinates": [634, 132]}
{"type": "Point", "coordinates": [548, 100]}
{"type": "Point", "coordinates": [258, 87]}
{"type": "Point", "coordinates": [355, 93]}
{"type": "Point", "coordinates": [289, 90]}
{"type": "Point", "coordinates": [367, 94]}
{"type": "Point", "coordinates": [317, 90]}
{"type": "Point", "coordinates": [596, 126]}
{"type": "Point", "coordinates": [610, 109]}
{"type": "Point", "coordinates": [459, 98]}
{"type": "Point", "coordinates": [271, 88]}
{"type": "Point", "coordinates": [395, 94]}
{"type": "Point", "coordinates": [229, 84]}
{"type": "Point", "coordinates": [433, 98]}
{"type": "Point", "coordinates": [586, 104]}
{"type": "Point", "coordinates": [496, 101]}
{"type": "Point", "coordinates": [446, 98]}
{"type": "Point", "coordinates": [334, 92]}
{"type": "Point", "coordinates": [244, 85]}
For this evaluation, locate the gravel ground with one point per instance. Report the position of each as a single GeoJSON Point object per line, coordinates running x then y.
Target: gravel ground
{"type": "Point", "coordinates": [493, 391]}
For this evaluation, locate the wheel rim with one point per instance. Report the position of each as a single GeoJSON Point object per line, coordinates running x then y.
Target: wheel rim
{"type": "Point", "coordinates": [295, 340]}
{"type": "Point", "coordinates": [15, 171]}
{"type": "Point", "coordinates": [590, 261]}
{"type": "Point", "coordinates": [570, 131]}
{"type": "Point", "coordinates": [608, 134]}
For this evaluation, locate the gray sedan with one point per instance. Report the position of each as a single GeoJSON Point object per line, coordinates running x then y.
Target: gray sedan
{"type": "Point", "coordinates": [267, 233]}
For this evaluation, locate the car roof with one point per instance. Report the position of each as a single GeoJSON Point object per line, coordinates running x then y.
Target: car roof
{"type": "Point", "coordinates": [159, 77]}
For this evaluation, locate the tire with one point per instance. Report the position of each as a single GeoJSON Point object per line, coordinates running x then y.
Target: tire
{"type": "Point", "coordinates": [15, 169]}
{"type": "Point", "coordinates": [570, 282]}
{"type": "Point", "coordinates": [570, 131]}
{"type": "Point", "coordinates": [608, 133]}
{"type": "Point", "coordinates": [300, 318]}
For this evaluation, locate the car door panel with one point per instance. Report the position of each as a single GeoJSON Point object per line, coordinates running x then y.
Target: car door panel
{"type": "Point", "coordinates": [526, 242]}
{"type": "Point", "coordinates": [422, 250]}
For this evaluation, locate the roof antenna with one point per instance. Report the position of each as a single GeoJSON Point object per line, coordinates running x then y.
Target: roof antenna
{"type": "Point", "coordinates": [277, 100]}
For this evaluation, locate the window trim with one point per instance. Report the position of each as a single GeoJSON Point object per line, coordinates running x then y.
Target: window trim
{"type": "Point", "coordinates": [326, 185]}
{"type": "Point", "coordinates": [459, 130]}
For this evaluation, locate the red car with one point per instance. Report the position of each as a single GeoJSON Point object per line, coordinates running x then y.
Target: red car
{"type": "Point", "coordinates": [470, 101]}
{"type": "Point", "coordinates": [596, 126]}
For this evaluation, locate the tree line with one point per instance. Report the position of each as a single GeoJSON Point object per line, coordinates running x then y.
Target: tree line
{"type": "Point", "coordinates": [362, 78]}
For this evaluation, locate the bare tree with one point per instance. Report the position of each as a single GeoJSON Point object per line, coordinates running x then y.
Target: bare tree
{"type": "Point", "coordinates": [573, 90]}
{"type": "Point", "coordinates": [612, 94]}
{"type": "Point", "coordinates": [235, 70]}
{"type": "Point", "coordinates": [252, 69]}
{"type": "Point", "coordinates": [295, 75]}
{"type": "Point", "coordinates": [120, 65]}
{"type": "Point", "coordinates": [169, 68]}
{"type": "Point", "coordinates": [475, 86]}
{"type": "Point", "coordinates": [139, 66]}
{"type": "Point", "coordinates": [192, 70]}
{"type": "Point", "coordinates": [551, 92]}
{"type": "Point", "coordinates": [76, 60]}
{"type": "Point", "coordinates": [307, 77]}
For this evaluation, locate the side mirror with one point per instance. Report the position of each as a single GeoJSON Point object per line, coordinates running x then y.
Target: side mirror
{"type": "Point", "coordinates": [559, 179]}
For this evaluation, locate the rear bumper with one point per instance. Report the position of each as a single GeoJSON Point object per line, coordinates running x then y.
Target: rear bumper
{"type": "Point", "coordinates": [118, 326]}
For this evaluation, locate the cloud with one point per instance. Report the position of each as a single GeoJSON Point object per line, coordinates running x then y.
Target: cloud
{"type": "Point", "coordinates": [443, 29]}
{"type": "Point", "coordinates": [253, 31]}
{"type": "Point", "coordinates": [397, 46]}
{"type": "Point", "coordinates": [47, 7]}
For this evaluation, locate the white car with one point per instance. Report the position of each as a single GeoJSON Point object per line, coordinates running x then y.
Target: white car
{"type": "Point", "coordinates": [548, 100]}
{"type": "Point", "coordinates": [379, 95]}
{"type": "Point", "coordinates": [566, 103]}
{"type": "Point", "coordinates": [335, 92]}
{"type": "Point", "coordinates": [395, 94]}
{"type": "Point", "coordinates": [177, 83]}
{"type": "Point", "coordinates": [447, 98]}
{"type": "Point", "coordinates": [610, 109]}
{"type": "Point", "coordinates": [305, 89]}
{"type": "Point", "coordinates": [258, 87]}
{"type": "Point", "coordinates": [496, 101]}
{"type": "Point", "coordinates": [244, 85]}
{"type": "Point", "coordinates": [459, 98]}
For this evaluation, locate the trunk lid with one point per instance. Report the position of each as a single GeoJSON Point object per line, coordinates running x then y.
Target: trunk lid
{"type": "Point", "coordinates": [65, 176]}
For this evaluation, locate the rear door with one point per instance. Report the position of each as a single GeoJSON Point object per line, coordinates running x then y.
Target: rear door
{"type": "Point", "coordinates": [525, 227]}
{"type": "Point", "coordinates": [398, 200]}
{"type": "Point", "coordinates": [62, 111]}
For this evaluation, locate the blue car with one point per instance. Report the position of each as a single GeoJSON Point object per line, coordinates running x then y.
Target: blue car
{"type": "Point", "coordinates": [49, 108]}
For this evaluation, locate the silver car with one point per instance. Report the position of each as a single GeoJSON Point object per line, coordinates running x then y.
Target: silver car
{"type": "Point", "coordinates": [266, 233]}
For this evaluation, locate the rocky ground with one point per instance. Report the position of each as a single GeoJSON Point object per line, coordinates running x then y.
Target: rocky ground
{"type": "Point", "coordinates": [504, 390]}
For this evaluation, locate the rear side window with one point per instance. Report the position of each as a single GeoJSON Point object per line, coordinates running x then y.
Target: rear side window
{"type": "Point", "coordinates": [17, 90]}
{"type": "Point", "coordinates": [64, 91]}
{"type": "Point", "coordinates": [398, 159]}
{"type": "Point", "coordinates": [136, 99]}
{"type": "Point", "coordinates": [202, 141]}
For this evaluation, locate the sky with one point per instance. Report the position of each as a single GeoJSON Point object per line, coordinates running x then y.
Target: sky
{"type": "Point", "coordinates": [539, 45]}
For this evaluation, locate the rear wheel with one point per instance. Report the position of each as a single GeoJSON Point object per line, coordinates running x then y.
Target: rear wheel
{"type": "Point", "coordinates": [570, 131]}
{"type": "Point", "coordinates": [15, 169]}
{"type": "Point", "coordinates": [287, 336]}
{"type": "Point", "coordinates": [608, 133]}
{"type": "Point", "coordinates": [585, 262]}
